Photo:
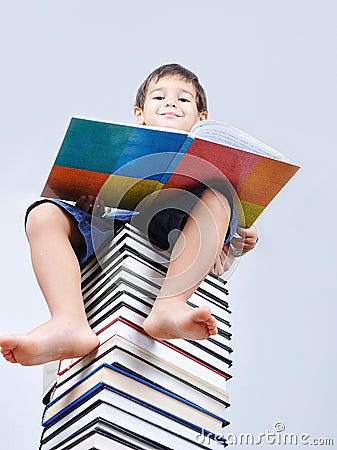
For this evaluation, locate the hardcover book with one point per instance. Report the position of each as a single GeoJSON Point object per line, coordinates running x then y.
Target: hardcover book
{"type": "Point", "coordinates": [132, 358]}
{"type": "Point", "coordinates": [137, 388]}
{"type": "Point", "coordinates": [124, 164]}
{"type": "Point", "coordinates": [122, 415]}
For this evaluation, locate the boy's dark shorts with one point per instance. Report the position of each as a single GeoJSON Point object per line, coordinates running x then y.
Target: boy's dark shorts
{"type": "Point", "coordinates": [158, 225]}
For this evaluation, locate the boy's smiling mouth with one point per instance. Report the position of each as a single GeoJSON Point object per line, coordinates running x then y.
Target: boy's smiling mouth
{"type": "Point", "coordinates": [170, 113]}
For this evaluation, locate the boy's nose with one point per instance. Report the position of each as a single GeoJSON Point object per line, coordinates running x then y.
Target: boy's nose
{"type": "Point", "coordinates": [170, 102]}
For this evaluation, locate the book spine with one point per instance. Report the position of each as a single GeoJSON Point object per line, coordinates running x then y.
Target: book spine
{"type": "Point", "coordinates": [177, 158]}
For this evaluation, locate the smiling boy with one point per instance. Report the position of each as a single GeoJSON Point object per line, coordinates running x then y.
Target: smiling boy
{"type": "Point", "coordinates": [172, 97]}
{"type": "Point", "coordinates": [170, 102]}
{"type": "Point", "coordinates": [59, 235]}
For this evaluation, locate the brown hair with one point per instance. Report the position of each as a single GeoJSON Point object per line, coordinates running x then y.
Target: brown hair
{"type": "Point", "coordinates": [172, 69]}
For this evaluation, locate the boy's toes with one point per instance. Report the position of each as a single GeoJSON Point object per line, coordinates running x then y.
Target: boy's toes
{"type": "Point", "coordinates": [211, 324]}
{"type": "Point", "coordinates": [213, 330]}
{"type": "Point", "coordinates": [9, 356]}
{"type": "Point", "coordinates": [201, 314]}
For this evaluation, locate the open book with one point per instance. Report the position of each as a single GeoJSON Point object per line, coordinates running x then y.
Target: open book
{"type": "Point", "coordinates": [125, 164]}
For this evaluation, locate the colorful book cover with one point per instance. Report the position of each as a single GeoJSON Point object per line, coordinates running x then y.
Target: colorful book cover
{"type": "Point", "coordinates": [124, 164]}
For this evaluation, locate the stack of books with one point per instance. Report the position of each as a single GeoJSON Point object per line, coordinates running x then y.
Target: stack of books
{"type": "Point", "coordinates": [134, 391]}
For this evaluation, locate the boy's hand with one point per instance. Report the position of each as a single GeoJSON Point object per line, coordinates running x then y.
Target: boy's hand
{"type": "Point", "coordinates": [245, 240]}
{"type": "Point", "coordinates": [91, 204]}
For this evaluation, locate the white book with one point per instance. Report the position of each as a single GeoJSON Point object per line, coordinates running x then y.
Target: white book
{"type": "Point", "coordinates": [212, 285]}
{"type": "Point", "coordinates": [122, 353]}
{"type": "Point", "coordinates": [98, 438]}
{"type": "Point", "coordinates": [110, 303]}
{"type": "Point", "coordinates": [159, 351]}
{"type": "Point", "coordinates": [122, 284]}
{"type": "Point", "coordinates": [137, 241]}
{"type": "Point", "coordinates": [132, 238]}
{"type": "Point", "coordinates": [96, 441]}
{"type": "Point", "coordinates": [105, 311]}
{"type": "Point", "coordinates": [147, 282]}
{"type": "Point", "coordinates": [124, 412]}
{"type": "Point", "coordinates": [128, 269]}
{"type": "Point", "coordinates": [205, 350]}
{"type": "Point", "coordinates": [102, 437]}
{"type": "Point", "coordinates": [136, 388]}
{"type": "Point", "coordinates": [102, 328]}
{"type": "Point", "coordinates": [147, 297]}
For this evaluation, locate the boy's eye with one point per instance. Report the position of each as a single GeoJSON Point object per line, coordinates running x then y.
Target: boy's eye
{"type": "Point", "coordinates": [158, 97]}
{"type": "Point", "coordinates": [183, 99]}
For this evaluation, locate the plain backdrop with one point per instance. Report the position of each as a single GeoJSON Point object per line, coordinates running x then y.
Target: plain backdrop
{"type": "Point", "coordinates": [268, 68]}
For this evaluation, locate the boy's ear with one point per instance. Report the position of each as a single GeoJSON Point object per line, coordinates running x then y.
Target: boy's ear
{"type": "Point", "coordinates": [138, 112]}
{"type": "Point", "coordinates": [203, 115]}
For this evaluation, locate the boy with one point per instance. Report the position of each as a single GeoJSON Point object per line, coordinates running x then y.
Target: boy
{"type": "Point", "coordinates": [59, 235]}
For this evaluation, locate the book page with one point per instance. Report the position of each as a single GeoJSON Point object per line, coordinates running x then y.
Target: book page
{"type": "Point", "coordinates": [233, 137]}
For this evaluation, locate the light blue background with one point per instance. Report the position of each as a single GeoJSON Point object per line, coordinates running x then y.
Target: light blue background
{"type": "Point", "coordinates": [269, 67]}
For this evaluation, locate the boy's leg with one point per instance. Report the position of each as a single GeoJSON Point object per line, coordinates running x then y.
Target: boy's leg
{"type": "Point", "coordinates": [192, 258]}
{"type": "Point", "coordinates": [52, 235]}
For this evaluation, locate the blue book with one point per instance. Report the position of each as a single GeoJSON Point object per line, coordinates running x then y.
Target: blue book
{"type": "Point", "coordinates": [120, 411]}
{"type": "Point", "coordinates": [133, 387]}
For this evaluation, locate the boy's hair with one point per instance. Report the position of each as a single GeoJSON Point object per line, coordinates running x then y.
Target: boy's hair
{"type": "Point", "coordinates": [169, 70]}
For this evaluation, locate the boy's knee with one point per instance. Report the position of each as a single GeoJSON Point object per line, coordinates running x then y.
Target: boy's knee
{"type": "Point", "coordinates": [215, 199]}
{"type": "Point", "coordinates": [43, 216]}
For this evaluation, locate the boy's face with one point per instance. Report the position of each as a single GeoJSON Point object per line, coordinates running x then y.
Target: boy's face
{"type": "Point", "coordinates": [171, 103]}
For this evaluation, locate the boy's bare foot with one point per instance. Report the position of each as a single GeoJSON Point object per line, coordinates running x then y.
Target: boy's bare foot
{"type": "Point", "coordinates": [52, 341]}
{"type": "Point", "coordinates": [170, 319]}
